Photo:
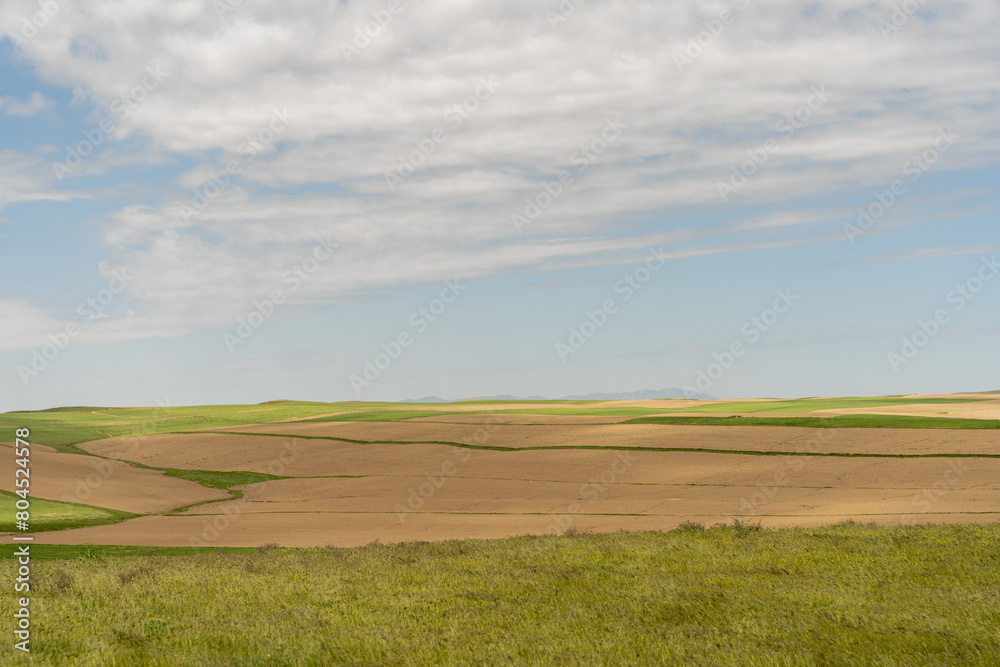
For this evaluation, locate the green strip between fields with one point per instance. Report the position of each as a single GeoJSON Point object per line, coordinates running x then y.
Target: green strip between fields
{"type": "Point", "coordinates": [625, 448]}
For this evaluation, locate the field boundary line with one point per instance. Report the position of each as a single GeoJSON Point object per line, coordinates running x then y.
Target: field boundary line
{"type": "Point", "coordinates": [635, 448]}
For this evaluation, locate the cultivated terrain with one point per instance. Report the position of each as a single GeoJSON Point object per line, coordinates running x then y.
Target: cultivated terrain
{"type": "Point", "coordinates": [347, 474]}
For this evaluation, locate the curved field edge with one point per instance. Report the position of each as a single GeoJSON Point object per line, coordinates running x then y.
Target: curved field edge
{"type": "Point", "coordinates": [627, 448]}
{"type": "Point", "coordinates": [60, 429]}
{"type": "Point", "coordinates": [844, 594]}
{"type": "Point", "coordinates": [213, 479]}
{"type": "Point", "coordinates": [47, 515]}
{"type": "Point", "coordinates": [51, 515]}
{"type": "Point", "coordinates": [64, 428]}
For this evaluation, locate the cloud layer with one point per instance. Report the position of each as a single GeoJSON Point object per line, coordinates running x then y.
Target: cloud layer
{"type": "Point", "coordinates": [605, 127]}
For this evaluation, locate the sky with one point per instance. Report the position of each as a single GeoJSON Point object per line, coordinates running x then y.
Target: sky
{"type": "Point", "coordinates": [218, 202]}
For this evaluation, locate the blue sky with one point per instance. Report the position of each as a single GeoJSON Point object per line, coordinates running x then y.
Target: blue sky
{"type": "Point", "coordinates": [226, 207]}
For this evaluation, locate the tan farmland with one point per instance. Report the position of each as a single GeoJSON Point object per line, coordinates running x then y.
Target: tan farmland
{"type": "Point", "coordinates": [183, 450]}
{"type": "Point", "coordinates": [405, 482]}
{"type": "Point", "coordinates": [91, 481]}
{"type": "Point", "coordinates": [478, 419]}
{"type": "Point", "coordinates": [979, 410]}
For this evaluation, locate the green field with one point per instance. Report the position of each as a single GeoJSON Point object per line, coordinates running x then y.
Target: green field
{"type": "Point", "coordinates": [56, 515]}
{"type": "Point", "coordinates": [842, 595]}
{"type": "Point", "coordinates": [384, 415]}
{"type": "Point", "coordinates": [64, 428]}
{"type": "Point", "coordinates": [387, 415]}
{"type": "Point", "coordinates": [813, 404]}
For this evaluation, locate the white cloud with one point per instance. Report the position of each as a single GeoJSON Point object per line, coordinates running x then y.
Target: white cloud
{"type": "Point", "coordinates": [36, 102]}
{"type": "Point", "coordinates": [26, 178]}
{"type": "Point", "coordinates": [352, 121]}
{"type": "Point", "coordinates": [26, 325]}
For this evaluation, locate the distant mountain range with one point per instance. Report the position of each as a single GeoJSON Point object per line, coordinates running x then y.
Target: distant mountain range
{"type": "Point", "coordinates": [641, 395]}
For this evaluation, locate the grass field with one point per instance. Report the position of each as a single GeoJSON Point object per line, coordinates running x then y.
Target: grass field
{"type": "Point", "coordinates": [841, 595]}
{"type": "Point", "coordinates": [813, 404]}
{"type": "Point", "coordinates": [308, 474]}
{"type": "Point", "coordinates": [56, 515]}
{"type": "Point", "coordinates": [64, 428]}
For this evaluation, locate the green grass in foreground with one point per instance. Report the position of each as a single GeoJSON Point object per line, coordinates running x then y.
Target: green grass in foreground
{"type": "Point", "coordinates": [839, 421]}
{"type": "Point", "coordinates": [843, 595]}
{"type": "Point", "coordinates": [56, 515]}
{"type": "Point", "coordinates": [62, 552]}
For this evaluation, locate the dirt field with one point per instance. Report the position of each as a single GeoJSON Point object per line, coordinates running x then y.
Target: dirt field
{"type": "Point", "coordinates": [649, 484]}
{"type": "Point", "coordinates": [349, 530]}
{"type": "Point", "coordinates": [743, 438]}
{"type": "Point", "coordinates": [488, 475]}
{"type": "Point", "coordinates": [982, 409]}
{"type": "Point", "coordinates": [346, 494]}
{"type": "Point", "coordinates": [113, 484]}
{"type": "Point", "coordinates": [479, 419]}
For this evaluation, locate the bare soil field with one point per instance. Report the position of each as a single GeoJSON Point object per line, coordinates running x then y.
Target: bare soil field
{"type": "Point", "coordinates": [742, 438]}
{"type": "Point", "coordinates": [714, 490]}
{"type": "Point", "coordinates": [112, 484]}
{"type": "Point", "coordinates": [348, 530]}
{"type": "Point", "coordinates": [347, 494]}
{"type": "Point", "coordinates": [982, 409]}
{"type": "Point", "coordinates": [404, 481]}
{"type": "Point", "coordinates": [279, 456]}
{"type": "Point", "coordinates": [477, 419]}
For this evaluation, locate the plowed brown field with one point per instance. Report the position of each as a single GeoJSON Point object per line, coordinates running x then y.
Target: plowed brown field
{"type": "Point", "coordinates": [113, 484]}
{"type": "Point", "coordinates": [183, 450]}
{"type": "Point", "coordinates": [346, 493]}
